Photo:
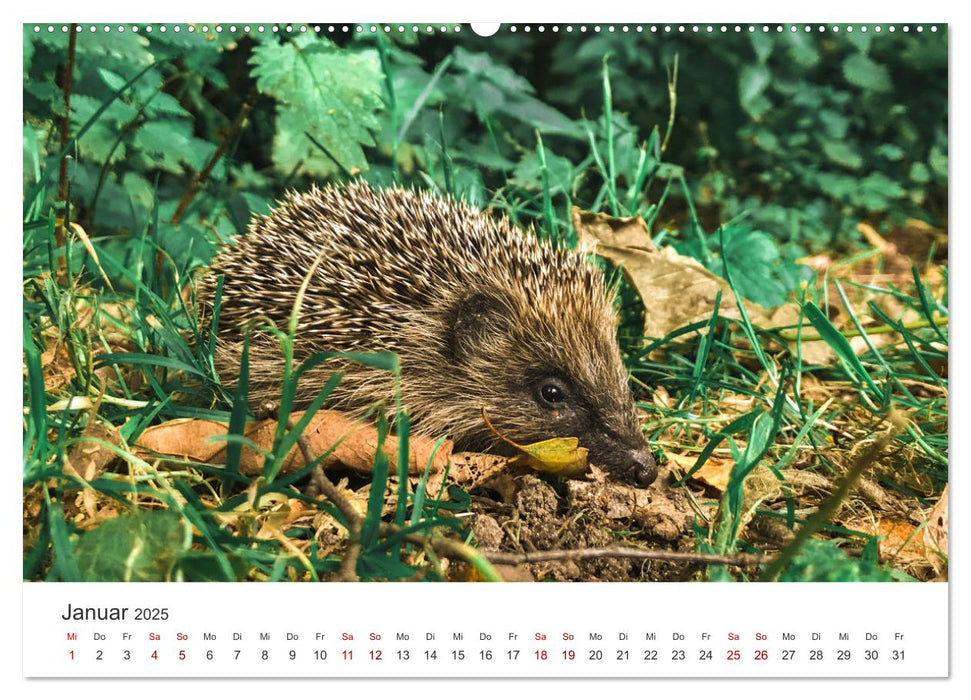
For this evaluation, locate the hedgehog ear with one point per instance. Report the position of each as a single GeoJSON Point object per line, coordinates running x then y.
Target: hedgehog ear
{"type": "Point", "coordinates": [473, 320]}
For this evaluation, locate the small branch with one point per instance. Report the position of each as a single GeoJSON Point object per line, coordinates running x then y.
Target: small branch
{"type": "Point", "coordinates": [625, 553]}
{"type": "Point", "coordinates": [323, 485]}
{"type": "Point", "coordinates": [67, 79]}
{"type": "Point", "coordinates": [200, 179]}
{"type": "Point", "coordinates": [348, 570]}
{"type": "Point", "coordinates": [673, 99]}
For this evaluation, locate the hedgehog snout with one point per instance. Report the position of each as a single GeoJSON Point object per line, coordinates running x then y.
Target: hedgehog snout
{"type": "Point", "coordinates": [642, 466]}
{"type": "Point", "coordinates": [630, 460]}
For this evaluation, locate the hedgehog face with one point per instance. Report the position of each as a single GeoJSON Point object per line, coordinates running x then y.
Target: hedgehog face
{"type": "Point", "coordinates": [542, 372]}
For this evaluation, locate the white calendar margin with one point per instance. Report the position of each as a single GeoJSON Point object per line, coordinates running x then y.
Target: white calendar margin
{"type": "Point", "coordinates": [506, 10]}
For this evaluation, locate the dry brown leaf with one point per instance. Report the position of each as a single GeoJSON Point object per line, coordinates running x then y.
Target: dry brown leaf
{"type": "Point", "coordinates": [713, 473]}
{"type": "Point", "coordinates": [661, 398]}
{"type": "Point", "coordinates": [87, 460]}
{"type": "Point", "coordinates": [676, 289]}
{"type": "Point", "coordinates": [89, 456]}
{"type": "Point", "coordinates": [899, 539]}
{"type": "Point", "coordinates": [470, 469]}
{"type": "Point", "coordinates": [57, 367]}
{"type": "Point", "coordinates": [192, 439]}
{"type": "Point", "coordinates": [911, 241]}
{"type": "Point", "coordinates": [935, 534]}
{"type": "Point", "coordinates": [813, 352]}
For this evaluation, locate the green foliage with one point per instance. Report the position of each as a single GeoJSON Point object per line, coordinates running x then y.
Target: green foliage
{"type": "Point", "coordinates": [823, 560]}
{"type": "Point", "coordinates": [805, 133]}
{"type": "Point", "coordinates": [755, 261]}
{"type": "Point", "coordinates": [327, 103]}
{"type": "Point", "coordinates": [144, 545]}
{"type": "Point", "coordinates": [808, 133]}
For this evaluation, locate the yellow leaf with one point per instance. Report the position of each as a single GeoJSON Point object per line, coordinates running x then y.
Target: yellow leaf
{"type": "Point", "coordinates": [559, 456]}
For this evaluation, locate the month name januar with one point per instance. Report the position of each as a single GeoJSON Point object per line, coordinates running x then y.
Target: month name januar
{"type": "Point", "coordinates": [76, 613]}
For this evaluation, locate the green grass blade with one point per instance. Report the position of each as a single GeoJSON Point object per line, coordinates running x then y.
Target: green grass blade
{"type": "Point", "coordinates": [841, 346]}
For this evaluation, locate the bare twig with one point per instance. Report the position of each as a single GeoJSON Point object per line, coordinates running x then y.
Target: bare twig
{"type": "Point", "coordinates": [673, 99]}
{"type": "Point", "coordinates": [67, 81]}
{"type": "Point", "coordinates": [203, 175]}
{"type": "Point", "coordinates": [200, 179]}
{"type": "Point", "coordinates": [323, 485]}
{"type": "Point", "coordinates": [624, 553]}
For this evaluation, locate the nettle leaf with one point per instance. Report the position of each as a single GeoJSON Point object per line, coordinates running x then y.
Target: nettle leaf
{"type": "Point", "coordinates": [890, 151]}
{"type": "Point", "coordinates": [541, 116]}
{"type": "Point", "coordinates": [756, 266]}
{"type": "Point", "coordinates": [843, 153]}
{"type": "Point", "coordinates": [765, 139]}
{"type": "Point", "coordinates": [835, 124]}
{"type": "Point", "coordinates": [332, 94]}
{"type": "Point", "coordinates": [162, 103]}
{"type": "Point", "coordinates": [752, 82]}
{"type": "Point", "coordinates": [861, 70]}
{"type": "Point", "coordinates": [140, 546]}
{"type": "Point", "coordinates": [140, 191]}
{"type": "Point", "coordinates": [876, 192]}
{"type": "Point", "coordinates": [803, 49]}
{"type": "Point", "coordinates": [495, 88]}
{"type": "Point", "coordinates": [860, 40]}
{"type": "Point", "coordinates": [128, 47]}
{"type": "Point", "coordinates": [762, 44]}
{"type": "Point", "coordinates": [482, 66]}
{"type": "Point", "coordinates": [83, 108]}
{"type": "Point", "coordinates": [171, 145]}
{"type": "Point", "coordinates": [48, 95]}
{"type": "Point", "coordinates": [837, 186]}
{"type": "Point", "coordinates": [28, 48]}
{"type": "Point", "coordinates": [98, 142]}
{"type": "Point", "coordinates": [528, 173]}
{"type": "Point", "coordinates": [919, 173]}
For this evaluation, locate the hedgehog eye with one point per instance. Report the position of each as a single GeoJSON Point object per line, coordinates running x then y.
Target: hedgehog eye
{"type": "Point", "coordinates": [552, 393]}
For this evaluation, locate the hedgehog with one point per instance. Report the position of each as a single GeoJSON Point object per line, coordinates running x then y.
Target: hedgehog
{"type": "Point", "coordinates": [485, 320]}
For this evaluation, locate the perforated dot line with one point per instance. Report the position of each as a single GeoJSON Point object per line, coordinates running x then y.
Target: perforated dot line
{"type": "Point", "coordinates": [513, 28]}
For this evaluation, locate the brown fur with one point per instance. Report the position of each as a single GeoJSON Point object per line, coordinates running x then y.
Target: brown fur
{"type": "Point", "coordinates": [480, 314]}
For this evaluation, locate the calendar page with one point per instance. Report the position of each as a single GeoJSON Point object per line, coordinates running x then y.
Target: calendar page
{"type": "Point", "coordinates": [359, 349]}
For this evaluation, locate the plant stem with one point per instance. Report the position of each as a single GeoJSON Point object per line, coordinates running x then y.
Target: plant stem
{"type": "Point", "coordinates": [199, 180]}
{"type": "Point", "coordinates": [68, 79]}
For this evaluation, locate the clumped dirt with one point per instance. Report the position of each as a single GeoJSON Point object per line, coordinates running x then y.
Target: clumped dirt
{"type": "Point", "coordinates": [525, 513]}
